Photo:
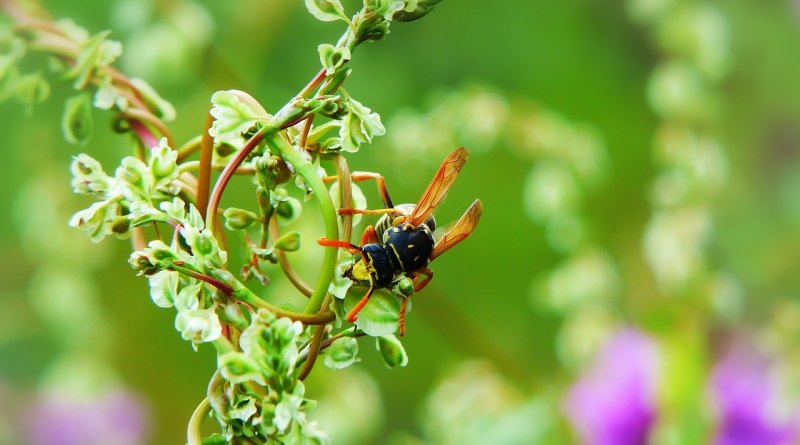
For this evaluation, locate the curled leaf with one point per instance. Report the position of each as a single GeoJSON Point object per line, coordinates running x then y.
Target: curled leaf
{"type": "Point", "coordinates": [326, 10]}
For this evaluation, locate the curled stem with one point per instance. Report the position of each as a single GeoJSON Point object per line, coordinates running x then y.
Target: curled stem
{"type": "Point", "coordinates": [193, 434]}
{"type": "Point", "coordinates": [227, 173]}
{"type": "Point", "coordinates": [306, 170]}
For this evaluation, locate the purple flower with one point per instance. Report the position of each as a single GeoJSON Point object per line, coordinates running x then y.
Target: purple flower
{"type": "Point", "coordinates": [744, 390]}
{"type": "Point", "coordinates": [113, 418]}
{"type": "Point", "coordinates": [614, 402]}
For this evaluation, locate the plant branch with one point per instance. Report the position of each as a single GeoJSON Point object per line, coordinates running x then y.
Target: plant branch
{"type": "Point", "coordinates": [204, 174]}
{"type": "Point", "coordinates": [314, 346]}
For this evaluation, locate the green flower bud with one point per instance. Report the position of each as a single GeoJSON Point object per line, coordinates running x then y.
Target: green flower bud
{"type": "Point", "coordinates": [131, 170]}
{"type": "Point", "coordinates": [406, 286]}
{"type": "Point", "coordinates": [163, 161]}
{"type": "Point", "coordinates": [391, 350]}
{"type": "Point", "coordinates": [289, 209]}
{"type": "Point", "coordinates": [238, 219]}
{"type": "Point", "coordinates": [333, 58]}
{"type": "Point", "coordinates": [141, 262]}
{"type": "Point", "coordinates": [289, 242]}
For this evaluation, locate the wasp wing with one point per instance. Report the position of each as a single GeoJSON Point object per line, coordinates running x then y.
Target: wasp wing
{"type": "Point", "coordinates": [438, 187]}
{"type": "Point", "coordinates": [455, 233]}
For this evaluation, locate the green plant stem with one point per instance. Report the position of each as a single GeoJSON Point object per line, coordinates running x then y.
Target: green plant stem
{"type": "Point", "coordinates": [223, 345]}
{"type": "Point", "coordinates": [189, 148]}
{"type": "Point", "coordinates": [329, 341]}
{"type": "Point", "coordinates": [193, 434]}
{"type": "Point", "coordinates": [219, 284]}
{"type": "Point", "coordinates": [314, 346]}
{"type": "Point", "coordinates": [306, 170]}
{"type": "Point", "coordinates": [345, 194]}
{"type": "Point", "coordinates": [231, 287]}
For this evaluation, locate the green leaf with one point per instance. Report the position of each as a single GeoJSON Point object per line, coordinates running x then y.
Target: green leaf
{"type": "Point", "coordinates": [342, 353]}
{"type": "Point", "coordinates": [235, 112]}
{"type": "Point", "coordinates": [381, 314]}
{"type": "Point", "coordinates": [359, 126]}
{"type": "Point", "coordinates": [392, 351]}
{"type": "Point", "coordinates": [77, 123]}
{"type": "Point", "coordinates": [327, 10]}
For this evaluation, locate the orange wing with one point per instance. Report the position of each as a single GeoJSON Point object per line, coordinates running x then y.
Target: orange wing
{"type": "Point", "coordinates": [438, 187]}
{"type": "Point", "coordinates": [460, 230]}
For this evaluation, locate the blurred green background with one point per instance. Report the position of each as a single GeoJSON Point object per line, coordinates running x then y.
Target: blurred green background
{"type": "Point", "coordinates": [589, 224]}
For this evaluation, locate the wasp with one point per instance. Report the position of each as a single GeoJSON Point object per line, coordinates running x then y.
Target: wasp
{"type": "Point", "coordinates": [402, 242]}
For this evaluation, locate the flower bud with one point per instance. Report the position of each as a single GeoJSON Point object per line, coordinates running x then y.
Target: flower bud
{"type": "Point", "coordinates": [289, 242]}
{"type": "Point", "coordinates": [405, 286]}
{"type": "Point", "coordinates": [289, 209]}
{"type": "Point", "coordinates": [238, 219]}
{"type": "Point", "coordinates": [391, 350]}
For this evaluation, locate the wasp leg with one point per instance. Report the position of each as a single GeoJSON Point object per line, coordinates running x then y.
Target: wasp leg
{"type": "Point", "coordinates": [352, 316]}
{"type": "Point", "coordinates": [365, 176]}
{"type": "Point", "coordinates": [418, 286]}
{"type": "Point", "coordinates": [338, 243]}
{"type": "Point", "coordinates": [401, 319]}
{"type": "Point", "coordinates": [370, 236]}
{"type": "Point", "coordinates": [349, 211]}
